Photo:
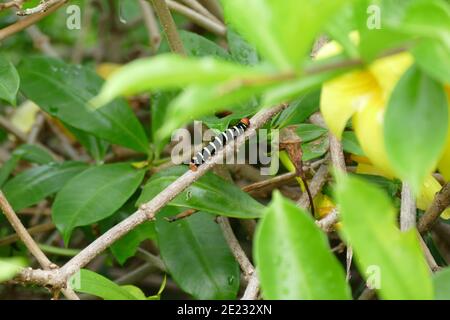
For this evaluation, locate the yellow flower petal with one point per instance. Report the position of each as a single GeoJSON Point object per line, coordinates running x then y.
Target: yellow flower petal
{"type": "Point", "coordinates": [364, 168]}
{"type": "Point", "coordinates": [389, 70]}
{"type": "Point", "coordinates": [430, 187]}
{"type": "Point", "coordinates": [345, 95]}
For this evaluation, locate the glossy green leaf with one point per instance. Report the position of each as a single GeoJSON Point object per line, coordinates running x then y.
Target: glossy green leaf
{"type": "Point", "coordinates": [89, 282]}
{"type": "Point", "coordinates": [308, 132]}
{"type": "Point", "coordinates": [27, 152]}
{"type": "Point", "coordinates": [417, 105]}
{"type": "Point", "coordinates": [241, 51]}
{"type": "Point", "coordinates": [350, 143]}
{"type": "Point", "coordinates": [126, 247]}
{"type": "Point", "coordinates": [293, 257]}
{"type": "Point", "coordinates": [316, 148]}
{"type": "Point", "coordinates": [33, 153]}
{"type": "Point", "coordinates": [299, 110]}
{"type": "Point", "coordinates": [197, 256]}
{"type": "Point", "coordinates": [31, 186]}
{"type": "Point", "coordinates": [9, 81]}
{"type": "Point", "coordinates": [9, 267]}
{"type": "Point", "coordinates": [441, 281]}
{"type": "Point", "coordinates": [170, 71]}
{"type": "Point", "coordinates": [196, 45]}
{"type": "Point", "coordinates": [210, 194]}
{"type": "Point", "coordinates": [390, 259]}
{"type": "Point", "coordinates": [94, 195]}
{"type": "Point", "coordinates": [65, 90]}
{"type": "Point", "coordinates": [282, 31]}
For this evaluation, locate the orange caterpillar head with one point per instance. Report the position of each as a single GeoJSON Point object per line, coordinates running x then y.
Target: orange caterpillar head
{"type": "Point", "coordinates": [246, 121]}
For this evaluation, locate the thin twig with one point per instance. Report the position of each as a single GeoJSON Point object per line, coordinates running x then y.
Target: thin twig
{"type": "Point", "coordinates": [168, 24]}
{"type": "Point", "coordinates": [197, 6]}
{"type": "Point", "coordinates": [318, 181]}
{"type": "Point", "coordinates": [407, 209]}
{"type": "Point", "coordinates": [198, 18]}
{"type": "Point", "coordinates": [252, 290]}
{"type": "Point", "coordinates": [33, 230]}
{"type": "Point", "coordinates": [29, 242]}
{"type": "Point", "coordinates": [440, 203]}
{"type": "Point", "coordinates": [151, 25]}
{"type": "Point", "coordinates": [44, 6]}
{"type": "Point", "coordinates": [28, 21]}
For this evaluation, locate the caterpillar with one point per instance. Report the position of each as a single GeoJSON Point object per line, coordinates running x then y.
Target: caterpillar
{"type": "Point", "coordinates": [218, 143]}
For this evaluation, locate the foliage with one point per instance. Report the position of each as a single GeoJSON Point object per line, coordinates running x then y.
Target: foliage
{"type": "Point", "coordinates": [109, 97]}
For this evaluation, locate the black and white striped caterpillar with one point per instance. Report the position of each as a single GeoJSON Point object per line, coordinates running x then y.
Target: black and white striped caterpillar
{"type": "Point", "coordinates": [218, 143]}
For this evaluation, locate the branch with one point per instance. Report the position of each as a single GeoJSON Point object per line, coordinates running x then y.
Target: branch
{"type": "Point", "coordinates": [28, 21]}
{"type": "Point", "coordinates": [198, 18]}
{"type": "Point", "coordinates": [440, 203]}
{"type": "Point", "coordinates": [197, 6]}
{"type": "Point", "coordinates": [168, 24]}
{"type": "Point", "coordinates": [12, 4]}
{"type": "Point", "coordinates": [318, 181]}
{"type": "Point", "coordinates": [146, 211]}
{"type": "Point", "coordinates": [28, 241]}
{"type": "Point", "coordinates": [407, 209]}
{"type": "Point", "coordinates": [151, 25]}
{"type": "Point", "coordinates": [44, 6]}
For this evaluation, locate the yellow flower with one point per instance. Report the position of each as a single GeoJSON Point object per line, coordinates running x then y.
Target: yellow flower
{"type": "Point", "coordinates": [362, 96]}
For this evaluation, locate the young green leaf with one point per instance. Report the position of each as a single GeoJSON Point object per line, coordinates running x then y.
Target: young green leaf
{"type": "Point", "coordinates": [210, 194]}
{"type": "Point", "coordinates": [9, 81]}
{"type": "Point", "coordinates": [441, 281]}
{"type": "Point", "coordinates": [418, 105]}
{"type": "Point", "coordinates": [31, 186]}
{"type": "Point", "coordinates": [390, 259]}
{"type": "Point", "coordinates": [171, 71]}
{"type": "Point", "coordinates": [274, 26]}
{"type": "Point", "coordinates": [64, 91]}
{"type": "Point", "coordinates": [197, 255]}
{"type": "Point", "coordinates": [94, 195]}
{"type": "Point", "coordinates": [308, 132]}
{"type": "Point", "coordinates": [9, 267]}
{"type": "Point", "coordinates": [293, 258]}
{"type": "Point", "coordinates": [89, 282]}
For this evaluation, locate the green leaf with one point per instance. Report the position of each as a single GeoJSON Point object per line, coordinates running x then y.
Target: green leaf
{"type": "Point", "coordinates": [196, 45]}
{"type": "Point", "coordinates": [127, 246]}
{"type": "Point", "coordinates": [383, 253]}
{"type": "Point", "coordinates": [441, 281]}
{"type": "Point", "coordinates": [293, 258]}
{"type": "Point", "coordinates": [417, 105]}
{"type": "Point", "coordinates": [299, 110]}
{"type": "Point", "coordinates": [9, 81]}
{"type": "Point", "coordinates": [198, 101]}
{"type": "Point", "coordinates": [64, 91]}
{"type": "Point", "coordinates": [291, 90]}
{"type": "Point", "coordinates": [9, 267]}
{"type": "Point", "coordinates": [308, 132]}
{"type": "Point", "coordinates": [31, 186]}
{"type": "Point", "coordinates": [34, 154]}
{"type": "Point", "coordinates": [170, 71]}
{"type": "Point", "coordinates": [282, 31]}
{"type": "Point", "coordinates": [210, 194]}
{"type": "Point", "coordinates": [241, 51]}
{"type": "Point", "coordinates": [96, 147]}
{"type": "Point", "coordinates": [160, 103]}
{"type": "Point", "coordinates": [350, 143]}
{"type": "Point", "coordinates": [315, 149]}
{"type": "Point", "coordinates": [197, 255]}
{"type": "Point", "coordinates": [94, 195]}
{"type": "Point", "coordinates": [432, 57]}
{"type": "Point", "coordinates": [89, 282]}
